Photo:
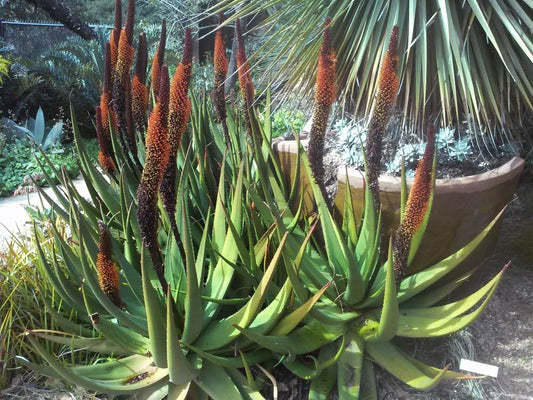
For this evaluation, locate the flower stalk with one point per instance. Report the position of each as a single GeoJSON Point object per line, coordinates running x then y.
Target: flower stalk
{"type": "Point", "coordinates": [158, 60]}
{"type": "Point", "coordinates": [108, 276]}
{"type": "Point", "coordinates": [139, 91]}
{"type": "Point", "coordinates": [387, 90]}
{"type": "Point", "coordinates": [325, 93]}
{"type": "Point", "coordinates": [157, 155]}
{"type": "Point", "coordinates": [416, 207]}
{"type": "Point", "coordinates": [245, 77]}
{"type": "Point", "coordinates": [220, 63]}
{"type": "Point", "coordinates": [179, 112]}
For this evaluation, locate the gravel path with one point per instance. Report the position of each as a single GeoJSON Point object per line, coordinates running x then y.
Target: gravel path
{"type": "Point", "coordinates": [13, 215]}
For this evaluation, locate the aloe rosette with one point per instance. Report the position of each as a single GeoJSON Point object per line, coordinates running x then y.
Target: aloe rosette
{"type": "Point", "coordinates": [245, 281]}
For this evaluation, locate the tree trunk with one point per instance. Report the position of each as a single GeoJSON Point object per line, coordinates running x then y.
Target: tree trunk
{"type": "Point", "coordinates": [59, 12]}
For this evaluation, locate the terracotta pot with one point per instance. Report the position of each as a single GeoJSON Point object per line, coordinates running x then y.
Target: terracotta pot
{"type": "Point", "coordinates": [462, 207]}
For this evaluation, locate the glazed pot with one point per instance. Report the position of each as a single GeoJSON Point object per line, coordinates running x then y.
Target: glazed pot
{"type": "Point", "coordinates": [462, 207]}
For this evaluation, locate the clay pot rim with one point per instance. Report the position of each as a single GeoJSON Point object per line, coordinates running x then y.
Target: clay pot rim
{"type": "Point", "coordinates": [387, 183]}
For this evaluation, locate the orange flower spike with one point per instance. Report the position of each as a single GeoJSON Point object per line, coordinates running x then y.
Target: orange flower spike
{"type": "Point", "coordinates": [157, 145]}
{"type": "Point", "coordinates": [121, 78]}
{"type": "Point", "coordinates": [104, 154]}
{"type": "Point", "coordinates": [157, 155]}
{"type": "Point", "coordinates": [108, 276]}
{"type": "Point", "coordinates": [415, 209]}
{"type": "Point", "coordinates": [179, 107]}
{"type": "Point", "coordinates": [179, 112]}
{"type": "Point", "coordinates": [105, 97]}
{"type": "Point", "coordinates": [220, 62]}
{"type": "Point", "coordinates": [418, 200]}
{"type": "Point", "coordinates": [130, 21]}
{"type": "Point", "coordinates": [388, 84]}
{"type": "Point", "coordinates": [139, 92]}
{"type": "Point", "coordinates": [242, 63]}
{"type": "Point", "coordinates": [115, 33]}
{"type": "Point", "coordinates": [325, 93]}
{"type": "Point", "coordinates": [158, 60]}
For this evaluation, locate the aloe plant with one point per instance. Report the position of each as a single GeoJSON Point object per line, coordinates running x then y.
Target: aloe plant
{"type": "Point", "coordinates": [180, 296]}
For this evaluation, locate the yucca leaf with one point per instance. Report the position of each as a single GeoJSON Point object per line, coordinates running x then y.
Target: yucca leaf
{"type": "Point", "coordinates": [218, 282]}
{"type": "Point", "coordinates": [120, 368]}
{"type": "Point", "coordinates": [98, 345]}
{"type": "Point", "coordinates": [215, 381]}
{"type": "Point", "coordinates": [291, 321]}
{"type": "Point", "coordinates": [302, 340]}
{"type": "Point", "coordinates": [457, 307]}
{"type": "Point", "coordinates": [388, 322]}
{"type": "Point", "coordinates": [193, 302]}
{"type": "Point", "coordinates": [252, 358]}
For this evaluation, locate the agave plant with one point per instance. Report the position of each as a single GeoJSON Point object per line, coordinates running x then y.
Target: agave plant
{"type": "Point", "coordinates": [35, 130]}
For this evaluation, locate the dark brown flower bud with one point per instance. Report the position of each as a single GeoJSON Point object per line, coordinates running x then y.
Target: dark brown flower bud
{"type": "Point", "coordinates": [159, 59]}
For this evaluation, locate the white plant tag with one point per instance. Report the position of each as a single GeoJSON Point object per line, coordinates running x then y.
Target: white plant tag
{"type": "Point", "coordinates": [478, 368]}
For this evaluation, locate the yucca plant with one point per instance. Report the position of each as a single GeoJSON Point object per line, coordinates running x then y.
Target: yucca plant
{"type": "Point", "coordinates": [459, 58]}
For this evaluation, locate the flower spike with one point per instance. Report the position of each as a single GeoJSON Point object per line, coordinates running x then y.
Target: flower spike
{"type": "Point", "coordinates": [139, 92]}
{"type": "Point", "coordinates": [158, 60]}
{"type": "Point", "coordinates": [245, 77]}
{"type": "Point", "coordinates": [130, 20]}
{"type": "Point", "coordinates": [104, 144]}
{"type": "Point", "coordinates": [220, 62]}
{"type": "Point", "coordinates": [387, 90]}
{"type": "Point", "coordinates": [157, 154]}
{"type": "Point", "coordinates": [108, 276]}
{"type": "Point", "coordinates": [187, 48]}
{"type": "Point", "coordinates": [121, 83]}
{"type": "Point", "coordinates": [179, 112]}
{"type": "Point", "coordinates": [115, 33]}
{"type": "Point", "coordinates": [416, 208]}
{"type": "Point", "coordinates": [324, 97]}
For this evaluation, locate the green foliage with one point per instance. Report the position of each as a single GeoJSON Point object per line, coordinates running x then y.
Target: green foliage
{"type": "Point", "coordinates": [4, 69]}
{"type": "Point", "coordinates": [69, 70]}
{"type": "Point", "coordinates": [21, 161]}
{"type": "Point", "coordinates": [21, 306]}
{"type": "Point", "coordinates": [458, 57]}
{"type": "Point", "coordinates": [242, 275]}
{"type": "Point", "coordinates": [35, 130]}
{"type": "Point", "coordinates": [287, 122]}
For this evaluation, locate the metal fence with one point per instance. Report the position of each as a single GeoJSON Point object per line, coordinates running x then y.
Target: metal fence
{"type": "Point", "coordinates": [30, 39]}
